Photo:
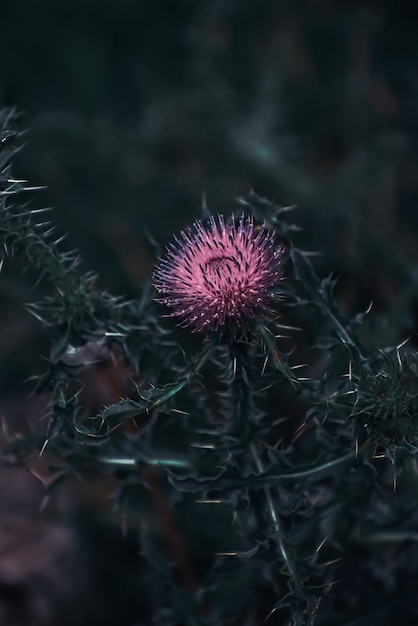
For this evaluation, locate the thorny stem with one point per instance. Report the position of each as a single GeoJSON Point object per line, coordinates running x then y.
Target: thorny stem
{"type": "Point", "coordinates": [242, 390]}
{"type": "Point", "coordinates": [283, 368]}
{"type": "Point", "coordinates": [149, 400]}
{"type": "Point", "coordinates": [275, 519]}
{"type": "Point", "coordinates": [186, 378]}
{"type": "Point", "coordinates": [230, 483]}
{"type": "Point", "coordinates": [306, 274]}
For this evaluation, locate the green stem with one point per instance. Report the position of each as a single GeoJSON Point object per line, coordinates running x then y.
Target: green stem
{"type": "Point", "coordinates": [132, 462]}
{"type": "Point", "coordinates": [228, 483]}
{"type": "Point", "coordinates": [275, 519]}
{"type": "Point", "coordinates": [387, 537]}
{"type": "Point", "coordinates": [244, 405]}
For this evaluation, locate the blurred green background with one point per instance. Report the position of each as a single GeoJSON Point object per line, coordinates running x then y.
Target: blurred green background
{"type": "Point", "coordinates": [138, 108]}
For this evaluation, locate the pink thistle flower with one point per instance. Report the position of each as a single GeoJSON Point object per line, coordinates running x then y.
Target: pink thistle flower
{"type": "Point", "coordinates": [220, 275]}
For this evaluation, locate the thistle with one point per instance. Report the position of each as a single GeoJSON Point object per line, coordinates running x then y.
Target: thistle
{"type": "Point", "coordinates": [221, 275]}
{"type": "Point", "coordinates": [294, 517]}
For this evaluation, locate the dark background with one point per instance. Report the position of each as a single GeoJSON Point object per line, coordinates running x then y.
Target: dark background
{"type": "Point", "coordinates": [139, 107]}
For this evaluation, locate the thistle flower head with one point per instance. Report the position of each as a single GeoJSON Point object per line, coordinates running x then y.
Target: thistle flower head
{"type": "Point", "coordinates": [219, 275]}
